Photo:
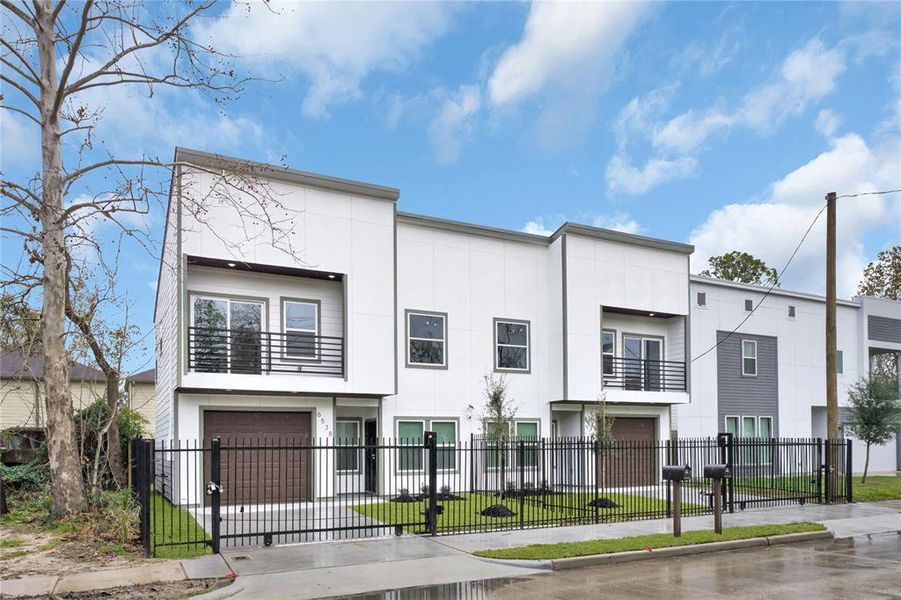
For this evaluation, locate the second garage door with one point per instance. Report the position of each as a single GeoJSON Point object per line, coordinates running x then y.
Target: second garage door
{"type": "Point", "coordinates": [633, 462]}
{"type": "Point", "coordinates": [263, 459]}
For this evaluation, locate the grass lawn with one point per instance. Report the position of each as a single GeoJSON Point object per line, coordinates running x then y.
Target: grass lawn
{"type": "Point", "coordinates": [461, 515]}
{"type": "Point", "coordinates": [643, 542]}
{"type": "Point", "coordinates": [881, 487]}
{"type": "Point", "coordinates": [173, 525]}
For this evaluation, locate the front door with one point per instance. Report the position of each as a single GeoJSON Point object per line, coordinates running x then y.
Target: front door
{"type": "Point", "coordinates": [370, 463]}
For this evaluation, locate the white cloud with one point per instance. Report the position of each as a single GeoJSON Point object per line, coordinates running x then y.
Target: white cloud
{"type": "Point", "coordinates": [827, 123]}
{"type": "Point", "coordinates": [19, 141]}
{"type": "Point", "coordinates": [618, 221]}
{"type": "Point", "coordinates": [452, 125]}
{"type": "Point", "coordinates": [335, 45]}
{"type": "Point", "coordinates": [624, 177]}
{"type": "Point", "coordinates": [806, 76]}
{"type": "Point", "coordinates": [771, 229]}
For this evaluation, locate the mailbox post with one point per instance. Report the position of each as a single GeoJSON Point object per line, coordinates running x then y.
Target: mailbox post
{"type": "Point", "coordinates": [676, 474]}
{"type": "Point", "coordinates": [717, 473]}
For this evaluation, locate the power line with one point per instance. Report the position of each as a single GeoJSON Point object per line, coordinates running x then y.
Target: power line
{"type": "Point", "coordinates": [767, 293]}
{"type": "Point", "coordinates": [869, 194]}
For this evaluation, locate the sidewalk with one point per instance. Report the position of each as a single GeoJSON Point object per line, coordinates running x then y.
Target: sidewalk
{"type": "Point", "coordinates": [353, 567]}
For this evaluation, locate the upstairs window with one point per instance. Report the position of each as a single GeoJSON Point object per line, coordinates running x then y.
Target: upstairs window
{"type": "Point", "coordinates": [749, 358]}
{"type": "Point", "coordinates": [512, 345]}
{"type": "Point", "coordinates": [301, 327]}
{"type": "Point", "coordinates": [839, 362]}
{"type": "Point", "coordinates": [702, 298]}
{"type": "Point", "coordinates": [749, 305]}
{"type": "Point", "coordinates": [791, 312]}
{"type": "Point", "coordinates": [426, 339]}
{"type": "Point", "coordinates": [608, 351]}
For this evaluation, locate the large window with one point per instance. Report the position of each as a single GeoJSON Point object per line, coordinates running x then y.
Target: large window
{"type": "Point", "coordinates": [347, 433]}
{"type": "Point", "coordinates": [608, 351]}
{"type": "Point", "coordinates": [749, 358]}
{"type": "Point", "coordinates": [301, 326]}
{"type": "Point", "coordinates": [426, 339]}
{"type": "Point", "coordinates": [410, 433]}
{"type": "Point", "coordinates": [512, 345]}
{"type": "Point", "coordinates": [225, 335]}
{"type": "Point", "coordinates": [527, 434]}
{"type": "Point", "coordinates": [446, 434]}
{"type": "Point", "coordinates": [753, 433]}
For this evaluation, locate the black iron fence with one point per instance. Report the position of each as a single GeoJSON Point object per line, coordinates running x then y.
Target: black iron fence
{"type": "Point", "coordinates": [241, 351]}
{"type": "Point", "coordinates": [265, 491]}
{"type": "Point", "coordinates": [644, 375]}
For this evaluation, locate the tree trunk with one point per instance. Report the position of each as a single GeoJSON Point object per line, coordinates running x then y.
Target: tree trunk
{"type": "Point", "coordinates": [66, 483]}
{"type": "Point", "coordinates": [114, 445]}
{"type": "Point", "coordinates": [866, 465]}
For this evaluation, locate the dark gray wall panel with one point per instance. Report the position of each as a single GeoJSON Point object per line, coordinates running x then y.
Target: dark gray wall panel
{"type": "Point", "coordinates": [740, 395]}
{"type": "Point", "coordinates": [884, 329]}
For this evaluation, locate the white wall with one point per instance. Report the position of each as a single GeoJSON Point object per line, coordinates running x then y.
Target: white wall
{"type": "Point", "coordinates": [606, 273]}
{"type": "Point", "coordinates": [166, 326]}
{"type": "Point", "coordinates": [473, 279]}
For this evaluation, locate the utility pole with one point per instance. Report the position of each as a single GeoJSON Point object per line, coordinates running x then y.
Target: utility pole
{"type": "Point", "coordinates": [831, 345]}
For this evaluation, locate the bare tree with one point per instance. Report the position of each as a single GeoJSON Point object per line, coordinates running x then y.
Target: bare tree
{"type": "Point", "coordinates": [55, 57]}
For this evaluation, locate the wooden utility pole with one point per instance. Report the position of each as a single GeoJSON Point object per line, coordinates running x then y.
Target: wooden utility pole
{"type": "Point", "coordinates": [831, 345]}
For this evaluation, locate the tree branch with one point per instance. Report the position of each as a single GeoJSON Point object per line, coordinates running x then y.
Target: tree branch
{"type": "Point", "coordinates": [74, 51]}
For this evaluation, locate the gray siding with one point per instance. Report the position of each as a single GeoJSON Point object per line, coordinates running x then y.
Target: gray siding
{"type": "Point", "coordinates": [884, 329]}
{"type": "Point", "coordinates": [739, 395]}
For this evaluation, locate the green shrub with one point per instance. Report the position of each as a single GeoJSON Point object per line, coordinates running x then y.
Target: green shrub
{"type": "Point", "coordinates": [117, 516]}
{"type": "Point", "coordinates": [29, 477]}
{"type": "Point", "coordinates": [89, 423]}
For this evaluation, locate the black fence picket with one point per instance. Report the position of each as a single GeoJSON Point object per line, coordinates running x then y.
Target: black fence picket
{"type": "Point", "coordinates": [268, 491]}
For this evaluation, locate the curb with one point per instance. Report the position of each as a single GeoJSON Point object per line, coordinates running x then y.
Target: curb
{"type": "Point", "coordinates": [579, 562]}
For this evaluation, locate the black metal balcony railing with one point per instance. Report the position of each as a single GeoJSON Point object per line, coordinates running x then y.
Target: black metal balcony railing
{"type": "Point", "coordinates": [255, 352]}
{"type": "Point", "coordinates": [644, 375]}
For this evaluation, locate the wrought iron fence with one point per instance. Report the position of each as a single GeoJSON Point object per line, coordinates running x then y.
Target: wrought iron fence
{"type": "Point", "coordinates": [264, 491]}
{"type": "Point", "coordinates": [644, 375]}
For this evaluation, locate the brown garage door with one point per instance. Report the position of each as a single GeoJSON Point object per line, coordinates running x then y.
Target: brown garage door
{"type": "Point", "coordinates": [262, 457]}
{"type": "Point", "coordinates": [633, 460]}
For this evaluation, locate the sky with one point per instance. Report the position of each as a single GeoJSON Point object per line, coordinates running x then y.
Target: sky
{"type": "Point", "coordinates": [722, 125]}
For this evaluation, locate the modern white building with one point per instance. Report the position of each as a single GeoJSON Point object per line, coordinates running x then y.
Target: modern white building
{"type": "Point", "coordinates": [759, 362]}
{"type": "Point", "coordinates": [385, 324]}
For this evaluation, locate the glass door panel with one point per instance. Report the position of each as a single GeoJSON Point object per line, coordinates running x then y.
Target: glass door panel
{"type": "Point", "coordinates": [246, 343]}
{"type": "Point", "coordinates": [632, 363]}
{"type": "Point", "coordinates": [210, 335]}
{"type": "Point", "coordinates": [653, 354]}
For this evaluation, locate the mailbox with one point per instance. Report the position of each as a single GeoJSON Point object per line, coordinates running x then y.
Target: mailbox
{"type": "Point", "coordinates": [716, 471]}
{"type": "Point", "coordinates": [676, 472]}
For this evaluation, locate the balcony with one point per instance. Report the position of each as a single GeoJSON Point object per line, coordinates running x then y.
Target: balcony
{"type": "Point", "coordinates": [644, 375]}
{"type": "Point", "coordinates": [250, 352]}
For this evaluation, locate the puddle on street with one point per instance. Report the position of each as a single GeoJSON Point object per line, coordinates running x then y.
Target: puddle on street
{"type": "Point", "coordinates": [464, 590]}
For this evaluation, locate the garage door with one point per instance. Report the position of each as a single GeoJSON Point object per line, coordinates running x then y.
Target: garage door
{"type": "Point", "coordinates": [263, 459]}
{"type": "Point", "coordinates": [633, 461]}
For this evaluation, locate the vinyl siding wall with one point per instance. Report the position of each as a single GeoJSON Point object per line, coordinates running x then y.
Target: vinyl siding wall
{"type": "Point", "coordinates": [743, 395]}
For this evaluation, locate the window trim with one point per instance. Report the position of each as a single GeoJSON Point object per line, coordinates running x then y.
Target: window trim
{"type": "Point", "coordinates": [399, 443]}
{"type": "Point", "coordinates": [755, 357]}
{"type": "Point", "coordinates": [537, 422]}
{"type": "Point", "coordinates": [528, 346]}
{"type": "Point", "coordinates": [612, 374]}
{"type": "Point", "coordinates": [417, 365]}
{"type": "Point", "coordinates": [757, 419]}
{"type": "Point", "coordinates": [317, 353]}
{"type": "Point", "coordinates": [358, 423]}
{"type": "Point", "coordinates": [193, 295]}
{"type": "Point", "coordinates": [426, 426]}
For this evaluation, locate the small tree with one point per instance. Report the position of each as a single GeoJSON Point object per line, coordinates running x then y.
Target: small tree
{"type": "Point", "coordinates": [874, 413]}
{"type": "Point", "coordinates": [741, 267]}
{"type": "Point", "coordinates": [600, 427]}
{"type": "Point", "coordinates": [882, 277]}
{"type": "Point", "coordinates": [497, 418]}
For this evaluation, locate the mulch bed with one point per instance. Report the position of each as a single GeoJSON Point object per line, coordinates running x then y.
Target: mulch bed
{"type": "Point", "coordinates": [603, 503]}
{"type": "Point", "coordinates": [497, 510]}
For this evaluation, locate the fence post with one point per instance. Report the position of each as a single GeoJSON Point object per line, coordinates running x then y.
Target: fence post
{"type": "Point", "coordinates": [139, 487]}
{"type": "Point", "coordinates": [522, 485]}
{"type": "Point", "coordinates": [431, 444]}
{"type": "Point", "coordinates": [215, 493]}
{"type": "Point", "coordinates": [472, 464]}
{"type": "Point", "coordinates": [849, 471]}
{"type": "Point", "coordinates": [827, 471]}
{"type": "Point", "coordinates": [669, 494]}
{"type": "Point", "coordinates": [820, 471]}
{"type": "Point", "coordinates": [598, 466]}
{"type": "Point", "coordinates": [727, 456]}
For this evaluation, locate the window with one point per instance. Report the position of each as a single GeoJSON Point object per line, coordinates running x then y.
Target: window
{"type": "Point", "coordinates": [446, 434]}
{"type": "Point", "coordinates": [426, 339]}
{"type": "Point", "coordinates": [410, 433]}
{"type": "Point", "coordinates": [791, 312]}
{"type": "Point", "coordinates": [764, 432]}
{"type": "Point", "coordinates": [347, 433]}
{"type": "Point", "coordinates": [608, 351]}
{"type": "Point", "coordinates": [527, 433]}
{"type": "Point", "coordinates": [749, 305]}
{"type": "Point", "coordinates": [732, 426]}
{"type": "Point", "coordinates": [702, 298]}
{"type": "Point", "coordinates": [839, 362]}
{"type": "Point", "coordinates": [225, 335]}
{"type": "Point", "coordinates": [512, 345]}
{"type": "Point", "coordinates": [749, 358]}
{"type": "Point", "coordinates": [301, 327]}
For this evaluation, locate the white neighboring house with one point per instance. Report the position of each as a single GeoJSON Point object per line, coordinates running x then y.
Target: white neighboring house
{"type": "Point", "coordinates": [768, 378]}
{"type": "Point", "coordinates": [386, 323]}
